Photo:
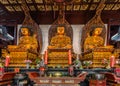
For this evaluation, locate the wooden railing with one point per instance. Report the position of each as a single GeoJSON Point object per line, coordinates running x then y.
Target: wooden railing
{"type": "Point", "coordinates": [7, 78]}
{"type": "Point", "coordinates": [112, 79]}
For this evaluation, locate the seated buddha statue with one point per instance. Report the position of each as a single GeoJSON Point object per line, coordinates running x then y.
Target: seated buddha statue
{"type": "Point", "coordinates": [26, 41]}
{"type": "Point", "coordinates": [95, 40]}
{"type": "Point", "coordinates": [60, 40]}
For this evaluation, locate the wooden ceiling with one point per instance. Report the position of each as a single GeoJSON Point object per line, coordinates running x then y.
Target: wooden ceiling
{"type": "Point", "coordinates": [49, 5]}
{"type": "Point", "coordinates": [12, 9]}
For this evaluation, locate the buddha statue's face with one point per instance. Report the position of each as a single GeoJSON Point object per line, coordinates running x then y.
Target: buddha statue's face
{"type": "Point", "coordinates": [60, 30]}
{"type": "Point", "coordinates": [25, 31]}
{"type": "Point", "coordinates": [97, 31]}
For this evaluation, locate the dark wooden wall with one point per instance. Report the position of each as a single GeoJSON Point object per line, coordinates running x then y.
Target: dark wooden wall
{"type": "Point", "coordinates": [81, 17]}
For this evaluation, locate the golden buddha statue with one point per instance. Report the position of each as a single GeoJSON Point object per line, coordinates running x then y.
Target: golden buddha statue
{"type": "Point", "coordinates": [95, 40]}
{"type": "Point", "coordinates": [26, 41]}
{"type": "Point", "coordinates": [60, 40]}
{"type": "Point", "coordinates": [26, 49]}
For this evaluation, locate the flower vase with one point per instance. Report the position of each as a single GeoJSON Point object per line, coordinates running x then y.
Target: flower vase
{"type": "Point", "coordinates": [27, 65]}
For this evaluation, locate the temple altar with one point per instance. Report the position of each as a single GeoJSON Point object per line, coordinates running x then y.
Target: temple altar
{"type": "Point", "coordinates": [25, 51]}
{"type": "Point", "coordinates": [65, 55]}
{"type": "Point", "coordinates": [98, 55]}
{"type": "Point", "coordinates": [60, 49]}
{"type": "Point", "coordinates": [18, 57]}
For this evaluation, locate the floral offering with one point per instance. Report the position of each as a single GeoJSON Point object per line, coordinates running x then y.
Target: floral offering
{"type": "Point", "coordinates": [28, 61]}
{"type": "Point", "coordinates": [87, 63]}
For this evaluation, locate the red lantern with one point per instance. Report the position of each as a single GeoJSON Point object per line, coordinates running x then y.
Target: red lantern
{"type": "Point", "coordinates": [46, 57]}
{"type": "Point", "coordinates": [7, 60]}
{"type": "Point", "coordinates": [112, 61]}
{"type": "Point", "coordinates": [69, 57]}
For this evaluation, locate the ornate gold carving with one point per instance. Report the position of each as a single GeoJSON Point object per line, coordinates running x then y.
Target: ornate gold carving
{"type": "Point", "coordinates": [116, 7]}
{"type": "Point", "coordinates": [83, 7]}
{"type": "Point", "coordinates": [4, 1]}
{"type": "Point", "coordinates": [17, 8]}
{"type": "Point", "coordinates": [93, 7]}
{"type": "Point", "coordinates": [76, 7]}
{"type": "Point", "coordinates": [9, 8]}
{"type": "Point", "coordinates": [41, 7]}
{"type": "Point", "coordinates": [39, 1]}
{"type": "Point", "coordinates": [12, 1]}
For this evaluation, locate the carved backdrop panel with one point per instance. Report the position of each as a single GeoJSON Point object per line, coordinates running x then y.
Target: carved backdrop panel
{"type": "Point", "coordinates": [60, 22]}
{"type": "Point", "coordinates": [93, 23]}
{"type": "Point", "coordinates": [34, 27]}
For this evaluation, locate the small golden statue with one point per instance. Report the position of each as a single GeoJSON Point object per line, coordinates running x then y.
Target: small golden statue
{"type": "Point", "coordinates": [60, 40]}
{"type": "Point", "coordinates": [95, 40]}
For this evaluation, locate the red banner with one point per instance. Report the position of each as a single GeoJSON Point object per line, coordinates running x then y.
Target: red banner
{"type": "Point", "coordinates": [7, 60]}
{"type": "Point", "coordinates": [46, 57]}
{"type": "Point", "coordinates": [69, 57]}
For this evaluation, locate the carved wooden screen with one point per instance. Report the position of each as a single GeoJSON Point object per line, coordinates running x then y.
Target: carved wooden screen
{"type": "Point", "coordinates": [94, 22]}
{"type": "Point", "coordinates": [30, 23]}
{"type": "Point", "coordinates": [60, 22]}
